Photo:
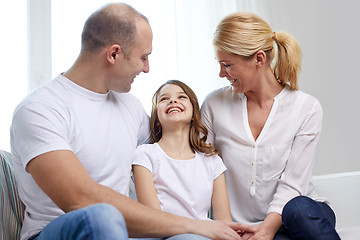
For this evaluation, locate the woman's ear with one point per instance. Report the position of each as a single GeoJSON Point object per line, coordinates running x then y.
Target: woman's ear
{"type": "Point", "coordinates": [260, 58]}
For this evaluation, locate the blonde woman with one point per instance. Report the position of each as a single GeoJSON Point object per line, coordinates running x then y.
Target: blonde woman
{"type": "Point", "coordinates": [267, 132]}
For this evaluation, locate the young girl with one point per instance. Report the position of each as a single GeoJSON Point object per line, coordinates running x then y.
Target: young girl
{"type": "Point", "coordinates": [179, 173]}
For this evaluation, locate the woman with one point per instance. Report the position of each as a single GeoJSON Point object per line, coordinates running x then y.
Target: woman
{"type": "Point", "coordinates": [266, 132]}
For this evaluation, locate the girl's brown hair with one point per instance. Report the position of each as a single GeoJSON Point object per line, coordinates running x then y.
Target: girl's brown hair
{"type": "Point", "coordinates": [197, 142]}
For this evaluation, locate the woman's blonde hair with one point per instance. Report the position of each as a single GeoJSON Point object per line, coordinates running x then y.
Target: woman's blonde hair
{"type": "Point", "coordinates": [197, 143]}
{"type": "Point", "coordinates": [244, 34]}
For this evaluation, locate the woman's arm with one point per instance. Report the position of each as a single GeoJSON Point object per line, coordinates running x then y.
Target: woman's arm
{"type": "Point", "coordinates": [220, 200]}
{"type": "Point", "coordinates": [145, 189]}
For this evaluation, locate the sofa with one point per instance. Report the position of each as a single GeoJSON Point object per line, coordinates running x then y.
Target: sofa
{"type": "Point", "coordinates": [342, 190]}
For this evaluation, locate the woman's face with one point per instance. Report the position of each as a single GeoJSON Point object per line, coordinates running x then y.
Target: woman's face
{"type": "Point", "coordinates": [239, 71]}
{"type": "Point", "coordinates": [174, 106]}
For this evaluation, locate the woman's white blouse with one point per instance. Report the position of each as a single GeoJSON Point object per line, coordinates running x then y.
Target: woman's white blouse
{"type": "Point", "coordinates": [263, 175]}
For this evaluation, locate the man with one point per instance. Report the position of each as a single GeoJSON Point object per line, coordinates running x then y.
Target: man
{"type": "Point", "coordinates": [73, 141]}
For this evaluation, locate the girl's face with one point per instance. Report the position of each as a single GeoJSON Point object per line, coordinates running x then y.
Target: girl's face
{"type": "Point", "coordinates": [174, 106]}
{"type": "Point", "coordinates": [240, 72]}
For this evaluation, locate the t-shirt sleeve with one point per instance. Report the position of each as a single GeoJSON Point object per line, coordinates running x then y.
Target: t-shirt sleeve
{"type": "Point", "coordinates": [142, 158]}
{"type": "Point", "coordinates": [37, 129]}
{"type": "Point", "coordinates": [218, 166]}
{"type": "Point", "coordinates": [144, 130]}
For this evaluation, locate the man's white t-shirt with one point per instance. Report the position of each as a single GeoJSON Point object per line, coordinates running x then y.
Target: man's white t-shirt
{"type": "Point", "coordinates": [102, 130]}
{"type": "Point", "coordinates": [184, 187]}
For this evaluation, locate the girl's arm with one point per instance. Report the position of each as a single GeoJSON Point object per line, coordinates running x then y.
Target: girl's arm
{"type": "Point", "coordinates": [145, 189]}
{"type": "Point", "coordinates": [220, 200]}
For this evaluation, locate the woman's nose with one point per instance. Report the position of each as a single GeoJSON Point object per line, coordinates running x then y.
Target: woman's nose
{"type": "Point", "coordinates": [222, 72]}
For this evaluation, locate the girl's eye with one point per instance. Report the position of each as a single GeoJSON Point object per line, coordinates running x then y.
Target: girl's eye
{"type": "Point", "coordinates": [183, 96]}
{"type": "Point", "coordinates": [162, 99]}
{"type": "Point", "coordinates": [226, 65]}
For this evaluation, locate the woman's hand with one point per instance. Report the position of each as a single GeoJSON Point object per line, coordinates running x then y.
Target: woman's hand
{"type": "Point", "coordinates": [220, 230]}
{"type": "Point", "coordinates": [264, 231]}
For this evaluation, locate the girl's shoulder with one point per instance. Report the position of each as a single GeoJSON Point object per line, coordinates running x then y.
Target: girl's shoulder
{"type": "Point", "coordinates": [148, 147]}
{"type": "Point", "coordinates": [208, 157]}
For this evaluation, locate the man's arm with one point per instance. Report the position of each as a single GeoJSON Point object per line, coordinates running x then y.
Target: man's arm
{"type": "Point", "coordinates": [64, 179]}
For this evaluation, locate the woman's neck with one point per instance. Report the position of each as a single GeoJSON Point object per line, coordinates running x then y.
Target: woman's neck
{"type": "Point", "coordinates": [266, 91]}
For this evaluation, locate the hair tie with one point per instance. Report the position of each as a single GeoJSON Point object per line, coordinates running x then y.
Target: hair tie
{"type": "Point", "coordinates": [274, 36]}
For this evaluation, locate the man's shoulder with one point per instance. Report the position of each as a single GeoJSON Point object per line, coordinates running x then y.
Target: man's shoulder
{"type": "Point", "coordinates": [46, 95]}
{"type": "Point", "coordinates": [126, 99]}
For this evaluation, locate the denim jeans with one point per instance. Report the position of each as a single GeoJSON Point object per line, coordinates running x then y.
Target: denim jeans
{"type": "Point", "coordinates": [304, 218]}
{"type": "Point", "coordinates": [177, 237]}
{"type": "Point", "coordinates": [98, 221]}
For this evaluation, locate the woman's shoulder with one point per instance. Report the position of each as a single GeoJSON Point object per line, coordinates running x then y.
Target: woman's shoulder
{"type": "Point", "coordinates": [222, 96]}
{"type": "Point", "coordinates": [302, 102]}
{"type": "Point", "coordinates": [301, 97]}
{"type": "Point", "coordinates": [220, 93]}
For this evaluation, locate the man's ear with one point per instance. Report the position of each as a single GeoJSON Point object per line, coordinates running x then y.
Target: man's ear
{"type": "Point", "coordinates": [260, 58]}
{"type": "Point", "coordinates": [113, 53]}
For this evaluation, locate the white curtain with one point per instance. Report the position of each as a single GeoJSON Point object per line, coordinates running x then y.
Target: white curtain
{"type": "Point", "coordinates": [13, 60]}
{"type": "Point", "coordinates": [43, 40]}
{"type": "Point", "coordinates": [182, 44]}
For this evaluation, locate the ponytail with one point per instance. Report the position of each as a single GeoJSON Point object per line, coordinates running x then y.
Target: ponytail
{"type": "Point", "coordinates": [288, 59]}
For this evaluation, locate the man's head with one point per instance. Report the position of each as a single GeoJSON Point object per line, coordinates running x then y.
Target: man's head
{"type": "Point", "coordinates": [120, 39]}
{"type": "Point", "coordinates": [114, 23]}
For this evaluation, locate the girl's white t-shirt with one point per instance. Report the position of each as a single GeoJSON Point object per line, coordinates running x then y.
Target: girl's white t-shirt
{"type": "Point", "coordinates": [184, 187]}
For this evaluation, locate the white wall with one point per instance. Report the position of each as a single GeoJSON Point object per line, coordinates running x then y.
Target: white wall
{"type": "Point", "coordinates": [329, 34]}
{"type": "Point", "coordinates": [327, 30]}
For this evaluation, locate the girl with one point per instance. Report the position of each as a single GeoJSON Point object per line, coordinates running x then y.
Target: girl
{"type": "Point", "coordinates": [179, 173]}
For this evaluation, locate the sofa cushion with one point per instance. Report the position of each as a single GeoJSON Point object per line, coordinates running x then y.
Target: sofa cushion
{"type": "Point", "coordinates": [11, 207]}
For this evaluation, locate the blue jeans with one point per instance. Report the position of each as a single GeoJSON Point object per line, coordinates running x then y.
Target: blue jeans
{"type": "Point", "coordinates": [304, 218]}
{"type": "Point", "coordinates": [98, 221]}
{"type": "Point", "coordinates": [177, 237]}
